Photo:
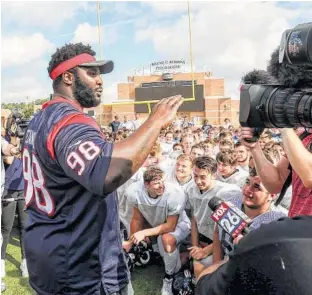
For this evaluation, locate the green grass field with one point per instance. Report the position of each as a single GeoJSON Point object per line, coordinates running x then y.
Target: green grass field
{"type": "Point", "coordinates": [146, 281]}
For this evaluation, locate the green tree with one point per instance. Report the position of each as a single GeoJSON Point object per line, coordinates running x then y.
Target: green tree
{"type": "Point", "coordinates": [26, 109]}
{"type": "Point", "coordinates": [41, 101]}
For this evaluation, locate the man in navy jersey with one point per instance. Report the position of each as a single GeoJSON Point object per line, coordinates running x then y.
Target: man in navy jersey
{"type": "Point", "coordinates": [72, 239]}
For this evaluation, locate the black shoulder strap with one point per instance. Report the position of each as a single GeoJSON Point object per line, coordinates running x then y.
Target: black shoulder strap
{"type": "Point", "coordinates": [304, 135]}
{"type": "Point", "coordinates": [286, 185]}
{"type": "Point", "coordinates": [289, 178]}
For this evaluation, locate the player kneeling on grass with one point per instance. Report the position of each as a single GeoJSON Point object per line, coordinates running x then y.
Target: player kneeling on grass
{"type": "Point", "coordinates": [205, 187]}
{"type": "Point", "coordinates": [159, 211]}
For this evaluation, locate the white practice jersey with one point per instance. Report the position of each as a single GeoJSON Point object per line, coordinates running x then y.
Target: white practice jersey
{"type": "Point", "coordinates": [244, 168]}
{"type": "Point", "coordinates": [156, 211]}
{"type": "Point", "coordinates": [170, 176]}
{"type": "Point", "coordinates": [167, 163]}
{"type": "Point", "coordinates": [170, 160]}
{"type": "Point", "coordinates": [199, 204]}
{"type": "Point", "coordinates": [166, 148]}
{"type": "Point", "coordinates": [238, 178]}
{"type": "Point", "coordinates": [125, 206]}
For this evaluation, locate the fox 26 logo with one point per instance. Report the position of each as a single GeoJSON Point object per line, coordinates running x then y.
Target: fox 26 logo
{"type": "Point", "coordinates": [229, 220]}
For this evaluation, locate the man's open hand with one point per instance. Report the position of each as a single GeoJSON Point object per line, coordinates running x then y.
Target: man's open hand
{"type": "Point", "coordinates": [166, 110]}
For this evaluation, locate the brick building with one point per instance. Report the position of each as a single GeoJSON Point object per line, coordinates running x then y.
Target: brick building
{"type": "Point", "coordinates": [211, 102]}
{"type": "Point", "coordinates": [216, 106]}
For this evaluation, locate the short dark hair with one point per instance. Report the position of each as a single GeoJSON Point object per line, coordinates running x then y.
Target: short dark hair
{"type": "Point", "coordinates": [185, 157]}
{"type": "Point", "coordinates": [267, 133]}
{"type": "Point", "coordinates": [277, 144]}
{"type": "Point", "coordinates": [177, 144]}
{"type": "Point", "coordinates": [227, 142]}
{"type": "Point", "coordinates": [188, 136]}
{"type": "Point", "coordinates": [198, 146]}
{"type": "Point", "coordinates": [206, 163]}
{"type": "Point", "coordinates": [269, 145]}
{"type": "Point", "coordinates": [152, 173]}
{"type": "Point", "coordinates": [227, 158]}
{"type": "Point", "coordinates": [224, 134]}
{"type": "Point", "coordinates": [64, 53]}
{"type": "Point", "coordinates": [239, 143]}
{"type": "Point", "coordinates": [209, 141]}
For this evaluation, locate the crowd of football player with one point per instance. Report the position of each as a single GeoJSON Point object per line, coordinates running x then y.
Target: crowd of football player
{"type": "Point", "coordinates": [166, 202]}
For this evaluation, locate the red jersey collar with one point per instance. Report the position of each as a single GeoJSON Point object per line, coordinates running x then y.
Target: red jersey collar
{"type": "Point", "coordinates": [59, 99]}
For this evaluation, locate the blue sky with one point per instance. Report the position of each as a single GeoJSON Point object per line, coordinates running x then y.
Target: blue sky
{"type": "Point", "coordinates": [229, 38]}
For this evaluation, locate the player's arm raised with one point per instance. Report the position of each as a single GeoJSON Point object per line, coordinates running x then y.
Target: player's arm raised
{"type": "Point", "coordinates": [129, 154]}
{"type": "Point", "coordinates": [100, 166]}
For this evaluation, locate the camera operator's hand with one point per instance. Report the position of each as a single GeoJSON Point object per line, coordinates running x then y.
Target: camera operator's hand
{"type": "Point", "coordinates": [166, 110]}
{"type": "Point", "coordinates": [15, 151]}
{"type": "Point", "coordinates": [246, 133]}
{"type": "Point", "coordinates": [10, 150]}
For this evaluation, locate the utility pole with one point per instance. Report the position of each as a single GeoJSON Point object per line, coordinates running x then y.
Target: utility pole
{"type": "Point", "coordinates": [100, 47]}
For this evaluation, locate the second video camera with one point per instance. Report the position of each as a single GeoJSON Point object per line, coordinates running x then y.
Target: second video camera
{"type": "Point", "coordinates": [282, 96]}
{"type": "Point", "coordinates": [16, 124]}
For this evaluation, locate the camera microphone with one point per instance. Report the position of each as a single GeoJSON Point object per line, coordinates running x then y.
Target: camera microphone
{"type": "Point", "coordinates": [229, 217]}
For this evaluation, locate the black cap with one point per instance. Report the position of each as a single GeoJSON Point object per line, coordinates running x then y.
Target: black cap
{"type": "Point", "coordinates": [106, 66]}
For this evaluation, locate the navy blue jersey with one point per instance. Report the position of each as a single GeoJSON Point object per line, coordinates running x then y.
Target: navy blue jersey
{"type": "Point", "coordinates": [72, 240]}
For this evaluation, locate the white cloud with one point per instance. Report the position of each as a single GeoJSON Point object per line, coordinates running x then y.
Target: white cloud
{"type": "Point", "coordinates": [86, 33]}
{"type": "Point", "coordinates": [23, 88]}
{"type": "Point", "coordinates": [34, 88]}
{"type": "Point", "coordinates": [230, 38]}
{"type": "Point", "coordinates": [120, 10]}
{"type": "Point", "coordinates": [19, 50]}
{"type": "Point", "coordinates": [51, 14]}
{"type": "Point", "coordinates": [162, 9]}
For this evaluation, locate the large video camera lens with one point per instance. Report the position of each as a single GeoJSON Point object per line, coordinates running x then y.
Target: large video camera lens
{"type": "Point", "coordinates": [287, 103]}
{"type": "Point", "coordinates": [296, 45]}
{"type": "Point", "coordinates": [275, 106]}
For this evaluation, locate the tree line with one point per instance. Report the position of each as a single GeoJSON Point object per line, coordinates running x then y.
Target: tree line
{"type": "Point", "coordinates": [27, 109]}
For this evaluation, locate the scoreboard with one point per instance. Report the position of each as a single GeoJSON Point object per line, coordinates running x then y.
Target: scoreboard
{"type": "Point", "coordinates": [159, 90]}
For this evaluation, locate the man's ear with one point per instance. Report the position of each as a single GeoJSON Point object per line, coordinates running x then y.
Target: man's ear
{"type": "Point", "coordinates": [272, 197]}
{"type": "Point", "coordinates": [68, 78]}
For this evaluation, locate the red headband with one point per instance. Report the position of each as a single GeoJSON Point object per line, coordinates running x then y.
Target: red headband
{"type": "Point", "coordinates": [71, 63]}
